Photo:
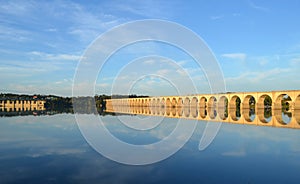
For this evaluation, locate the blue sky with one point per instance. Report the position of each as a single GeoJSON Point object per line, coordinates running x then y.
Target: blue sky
{"type": "Point", "coordinates": [257, 43]}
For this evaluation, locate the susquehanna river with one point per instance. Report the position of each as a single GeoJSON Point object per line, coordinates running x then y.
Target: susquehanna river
{"type": "Point", "coordinates": [51, 149]}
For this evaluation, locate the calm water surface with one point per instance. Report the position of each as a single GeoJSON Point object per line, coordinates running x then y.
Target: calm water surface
{"type": "Point", "coordinates": [51, 149]}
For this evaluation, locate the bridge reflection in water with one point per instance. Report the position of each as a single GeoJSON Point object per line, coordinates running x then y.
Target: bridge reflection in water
{"type": "Point", "coordinates": [276, 109]}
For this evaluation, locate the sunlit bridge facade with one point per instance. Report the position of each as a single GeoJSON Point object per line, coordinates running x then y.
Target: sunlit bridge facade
{"type": "Point", "coordinates": [275, 108]}
{"type": "Point", "coordinates": [10, 105]}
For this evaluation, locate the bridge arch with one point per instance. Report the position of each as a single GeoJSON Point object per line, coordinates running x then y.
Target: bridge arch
{"type": "Point", "coordinates": [234, 102]}
{"type": "Point", "coordinates": [187, 102]}
{"type": "Point", "coordinates": [168, 110]}
{"type": "Point", "coordinates": [212, 104]}
{"type": "Point", "coordinates": [282, 109]}
{"type": "Point", "coordinates": [163, 102]}
{"type": "Point", "coordinates": [249, 104]}
{"type": "Point", "coordinates": [194, 102]}
{"type": "Point", "coordinates": [223, 107]}
{"type": "Point", "coordinates": [132, 102]}
{"type": "Point", "coordinates": [203, 102]}
{"type": "Point", "coordinates": [135, 102]}
{"type": "Point", "coordinates": [223, 102]}
{"type": "Point", "coordinates": [186, 111]}
{"type": "Point", "coordinates": [180, 111]}
{"type": "Point", "coordinates": [168, 102]}
{"type": "Point", "coordinates": [203, 113]}
{"type": "Point", "coordinates": [282, 117]}
{"type": "Point", "coordinates": [264, 101]}
{"type": "Point", "coordinates": [212, 112]}
{"type": "Point", "coordinates": [186, 107]}
{"type": "Point", "coordinates": [297, 116]}
{"type": "Point", "coordinates": [264, 108]}
{"type": "Point", "coordinates": [153, 104]}
{"type": "Point", "coordinates": [143, 103]}
{"type": "Point", "coordinates": [194, 112]}
{"type": "Point", "coordinates": [157, 102]}
{"type": "Point", "coordinates": [174, 102]}
{"type": "Point", "coordinates": [156, 109]}
{"type": "Point", "coordinates": [297, 102]}
{"type": "Point", "coordinates": [180, 102]}
{"type": "Point", "coordinates": [174, 111]}
{"type": "Point", "coordinates": [162, 110]}
{"type": "Point", "coordinates": [235, 106]}
{"type": "Point", "coordinates": [162, 106]}
{"type": "Point", "coordinates": [194, 107]}
{"type": "Point", "coordinates": [282, 101]}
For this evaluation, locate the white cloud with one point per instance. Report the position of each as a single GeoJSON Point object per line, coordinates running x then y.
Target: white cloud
{"type": "Point", "coordinates": [261, 75]}
{"type": "Point", "coordinates": [263, 61]}
{"type": "Point", "coordinates": [63, 88]}
{"type": "Point", "coordinates": [163, 72]}
{"type": "Point", "coordinates": [48, 18]}
{"type": "Point", "coordinates": [217, 17]}
{"type": "Point", "coordinates": [238, 56]}
{"type": "Point", "coordinates": [14, 34]}
{"type": "Point", "coordinates": [51, 30]}
{"type": "Point", "coordinates": [46, 56]}
{"type": "Point", "coordinates": [265, 80]}
{"type": "Point", "coordinates": [16, 7]}
{"type": "Point", "coordinates": [181, 72]}
{"type": "Point", "coordinates": [87, 25]}
{"type": "Point", "coordinates": [295, 61]}
{"type": "Point", "coordinates": [257, 7]}
{"type": "Point", "coordinates": [147, 8]}
{"type": "Point", "coordinates": [182, 62]}
{"type": "Point", "coordinates": [236, 14]}
{"type": "Point", "coordinates": [103, 85]}
{"type": "Point", "coordinates": [149, 62]}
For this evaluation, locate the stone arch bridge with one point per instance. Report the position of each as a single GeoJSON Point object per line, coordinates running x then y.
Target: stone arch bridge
{"type": "Point", "coordinates": [227, 107]}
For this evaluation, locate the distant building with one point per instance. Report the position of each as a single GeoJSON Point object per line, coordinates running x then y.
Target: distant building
{"type": "Point", "coordinates": [21, 105]}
